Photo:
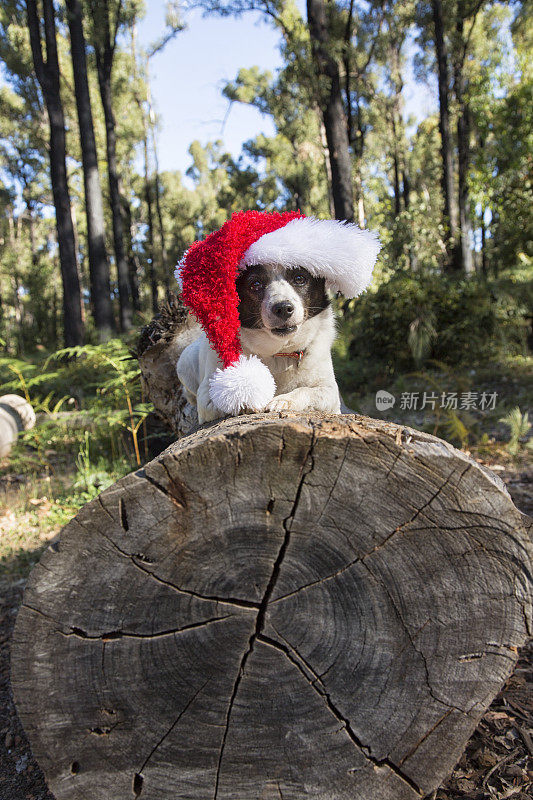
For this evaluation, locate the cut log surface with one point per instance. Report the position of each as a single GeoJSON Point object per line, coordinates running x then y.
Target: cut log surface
{"type": "Point", "coordinates": [16, 415]}
{"type": "Point", "coordinates": [278, 607]}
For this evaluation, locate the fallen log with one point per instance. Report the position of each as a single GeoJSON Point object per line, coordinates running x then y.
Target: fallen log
{"type": "Point", "coordinates": [276, 607]}
{"type": "Point", "coordinates": [16, 415]}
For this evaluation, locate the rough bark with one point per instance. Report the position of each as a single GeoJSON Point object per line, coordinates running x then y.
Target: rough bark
{"type": "Point", "coordinates": [484, 263]}
{"type": "Point", "coordinates": [98, 261]}
{"type": "Point", "coordinates": [114, 195]}
{"type": "Point", "coordinates": [47, 71]}
{"type": "Point", "coordinates": [332, 108]}
{"type": "Point", "coordinates": [277, 607]}
{"type": "Point", "coordinates": [30, 206]}
{"type": "Point", "coordinates": [104, 42]}
{"type": "Point", "coordinates": [150, 249]}
{"type": "Point", "coordinates": [448, 184]}
{"type": "Point", "coordinates": [160, 345]}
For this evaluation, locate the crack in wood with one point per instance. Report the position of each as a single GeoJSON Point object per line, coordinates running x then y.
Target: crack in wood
{"type": "Point", "coordinates": [299, 662]}
{"type": "Point", "coordinates": [319, 580]}
{"type": "Point", "coordinates": [139, 773]}
{"type": "Point", "coordinates": [395, 461]}
{"type": "Point", "coordinates": [335, 482]}
{"type": "Point", "coordinates": [233, 601]}
{"type": "Point", "coordinates": [260, 619]}
{"type": "Point", "coordinates": [119, 634]}
{"type": "Point", "coordinates": [415, 747]}
{"type": "Point", "coordinates": [378, 546]}
{"type": "Point", "coordinates": [178, 503]}
{"type": "Point", "coordinates": [417, 650]}
{"type": "Point", "coordinates": [420, 510]}
{"type": "Point", "coordinates": [123, 516]}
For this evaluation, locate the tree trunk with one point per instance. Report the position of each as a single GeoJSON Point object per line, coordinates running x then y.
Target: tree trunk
{"type": "Point", "coordinates": [301, 607]}
{"type": "Point", "coordinates": [133, 271]}
{"type": "Point", "coordinates": [104, 81]}
{"type": "Point", "coordinates": [327, 164]}
{"type": "Point", "coordinates": [48, 76]}
{"type": "Point", "coordinates": [396, 177]}
{"type": "Point", "coordinates": [360, 197]}
{"type": "Point", "coordinates": [484, 265]}
{"type": "Point", "coordinates": [165, 271]}
{"type": "Point", "coordinates": [98, 261]}
{"type": "Point", "coordinates": [161, 229]}
{"type": "Point", "coordinates": [463, 150]}
{"type": "Point", "coordinates": [398, 132]}
{"type": "Point", "coordinates": [448, 191]}
{"type": "Point", "coordinates": [406, 188]}
{"type": "Point", "coordinates": [31, 229]}
{"type": "Point", "coordinates": [332, 108]}
{"type": "Point", "coordinates": [150, 220]}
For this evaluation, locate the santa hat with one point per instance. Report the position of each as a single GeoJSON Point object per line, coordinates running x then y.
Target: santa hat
{"type": "Point", "coordinates": [338, 251]}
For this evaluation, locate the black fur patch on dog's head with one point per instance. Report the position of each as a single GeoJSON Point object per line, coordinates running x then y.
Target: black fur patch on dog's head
{"type": "Point", "coordinates": [253, 282]}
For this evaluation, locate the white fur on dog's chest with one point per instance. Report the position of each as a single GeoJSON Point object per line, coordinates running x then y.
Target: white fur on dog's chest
{"type": "Point", "coordinates": [290, 373]}
{"type": "Point", "coordinates": [300, 386]}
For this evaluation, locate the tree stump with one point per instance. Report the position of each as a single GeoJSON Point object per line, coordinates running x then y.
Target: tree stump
{"type": "Point", "coordinates": [160, 345]}
{"type": "Point", "coordinates": [278, 606]}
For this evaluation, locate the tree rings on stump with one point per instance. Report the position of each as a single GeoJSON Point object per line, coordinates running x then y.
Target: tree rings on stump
{"type": "Point", "coordinates": [277, 607]}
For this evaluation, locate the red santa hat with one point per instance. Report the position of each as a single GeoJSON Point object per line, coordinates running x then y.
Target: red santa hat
{"type": "Point", "coordinates": [338, 251]}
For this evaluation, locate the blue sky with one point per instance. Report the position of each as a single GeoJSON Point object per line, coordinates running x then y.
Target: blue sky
{"type": "Point", "coordinates": [187, 78]}
{"type": "Point", "coordinates": [188, 75]}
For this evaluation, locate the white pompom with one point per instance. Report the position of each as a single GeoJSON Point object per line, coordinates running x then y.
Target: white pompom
{"type": "Point", "coordinates": [247, 385]}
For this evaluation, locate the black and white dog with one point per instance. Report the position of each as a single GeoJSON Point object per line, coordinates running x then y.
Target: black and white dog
{"type": "Point", "coordinates": [287, 321]}
{"type": "Point", "coordinates": [258, 287]}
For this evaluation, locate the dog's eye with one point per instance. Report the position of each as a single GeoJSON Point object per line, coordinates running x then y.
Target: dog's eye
{"type": "Point", "coordinates": [299, 279]}
{"type": "Point", "coordinates": [256, 286]}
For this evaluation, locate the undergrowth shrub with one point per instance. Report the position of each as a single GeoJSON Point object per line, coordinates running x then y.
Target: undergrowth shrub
{"type": "Point", "coordinates": [100, 382]}
{"type": "Point", "coordinates": [413, 318]}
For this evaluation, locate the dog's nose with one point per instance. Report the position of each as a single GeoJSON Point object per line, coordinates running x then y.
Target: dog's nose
{"type": "Point", "coordinates": [283, 310]}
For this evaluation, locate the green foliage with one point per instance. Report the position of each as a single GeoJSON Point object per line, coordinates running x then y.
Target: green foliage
{"type": "Point", "coordinates": [421, 336]}
{"type": "Point", "coordinates": [519, 426]}
{"type": "Point", "coordinates": [455, 429]}
{"type": "Point", "coordinates": [412, 317]}
{"type": "Point", "coordinates": [293, 158]}
{"type": "Point", "coordinates": [91, 478]}
{"type": "Point", "coordinates": [100, 383]}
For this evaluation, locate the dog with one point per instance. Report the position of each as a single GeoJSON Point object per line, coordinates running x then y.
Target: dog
{"type": "Point", "coordinates": [287, 321]}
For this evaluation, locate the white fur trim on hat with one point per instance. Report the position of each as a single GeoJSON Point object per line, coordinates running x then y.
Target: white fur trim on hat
{"type": "Point", "coordinates": [247, 385]}
{"type": "Point", "coordinates": [340, 252]}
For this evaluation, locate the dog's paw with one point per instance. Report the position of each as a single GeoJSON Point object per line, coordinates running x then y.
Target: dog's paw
{"type": "Point", "coordinates": [283, 402]}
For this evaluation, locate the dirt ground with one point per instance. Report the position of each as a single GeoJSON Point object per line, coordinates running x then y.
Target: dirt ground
{"type": "Point", "coordinates": [497, 763]}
